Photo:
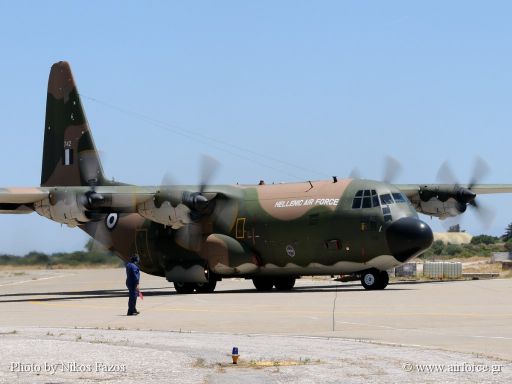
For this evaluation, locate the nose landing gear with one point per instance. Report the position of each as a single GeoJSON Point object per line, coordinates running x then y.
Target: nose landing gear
{"type": "Point", "coordinates": [373, 279]}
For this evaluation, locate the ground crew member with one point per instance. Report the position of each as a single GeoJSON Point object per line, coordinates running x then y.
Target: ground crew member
{"type": "Point", "coordinates": [132, 283]}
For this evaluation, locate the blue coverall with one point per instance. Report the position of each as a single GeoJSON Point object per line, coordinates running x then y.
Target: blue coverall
{"type": "Point", "coordinates": [132, 280]}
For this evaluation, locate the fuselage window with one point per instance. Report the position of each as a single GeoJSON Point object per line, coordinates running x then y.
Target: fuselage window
{"type": "Point", "coordinates": [399, 198]}
{"type": "Point", "coordinates": [386, 199]}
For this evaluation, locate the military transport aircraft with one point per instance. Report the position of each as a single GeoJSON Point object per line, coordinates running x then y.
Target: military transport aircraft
{"type": "Point", "coordinates": [197, 235]}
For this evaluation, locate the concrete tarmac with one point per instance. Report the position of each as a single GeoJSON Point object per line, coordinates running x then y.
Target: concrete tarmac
{"type": "Point", "coordinates": [468, 318]}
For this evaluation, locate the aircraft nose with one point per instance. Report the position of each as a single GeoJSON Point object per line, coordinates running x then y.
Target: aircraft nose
{"type": "Point", "coordinates": [407, 237]}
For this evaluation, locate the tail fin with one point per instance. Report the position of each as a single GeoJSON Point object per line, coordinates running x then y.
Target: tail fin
{"type": "Point", "coordinates": [69, 154]}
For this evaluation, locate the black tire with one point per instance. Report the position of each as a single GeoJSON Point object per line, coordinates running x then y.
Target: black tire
{"type": "Point", "coordinates": [184, 288]}
{"type": "Point", "coordinates": [263, 284]}
{"type": "Point", "coordinates": [371, 279]}
{"type": "Point", "coordinates": [384, 279]}
{"type": "Point", "coordinates": [208, 287]}
{"type": "Point", "coordinates": [284, 283]}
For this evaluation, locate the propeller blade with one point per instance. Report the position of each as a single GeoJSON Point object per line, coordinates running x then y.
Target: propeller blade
{"type": "Point", "coordinates": [392, 168]}
{"type": "Point", "coordinates": [445, 174]}
{"type": "Point", "coordinates": [355, 173]}
{"type": "Point", "coordinates": [167, 180]}
{"type": "Point", "coordinates": [102, 237]}
{"type": "Point", "coordinates": [480, 170]}
{"type": "Point", "coordinates": [209, 167]}
{"type": "Point", "coordinates": [190, 237]}
{"type": "Point", "coordinates": [486, 215]}
{"type": "Point", "coordinates": [225, 214]}
{"type": "Point", "coordinates": [168, 192]}
{"type": "Point", "coordinates": [90, 167]}
{"type": "Point", "coordinates": [450, 222]}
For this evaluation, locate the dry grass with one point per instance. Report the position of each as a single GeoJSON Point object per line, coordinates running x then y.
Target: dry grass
{"type": "Point", "coordinates": [482, 268]}
{"type": "Point", "coordinates": [472, 259]}
{"type": "Point", "coordinates": [506, 275]}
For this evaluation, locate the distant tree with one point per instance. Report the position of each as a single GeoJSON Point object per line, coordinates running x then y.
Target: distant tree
{"type": "Point", "coordinates": [484, 239]}
{"type": "Point", "coordinates": [453, 249]}
{"type": "Point", "coordinates": [508, 246]}
{"type": "Point", "coordinates": [437, 247]}
{"type": "Point", "coordinates": [508, 233]}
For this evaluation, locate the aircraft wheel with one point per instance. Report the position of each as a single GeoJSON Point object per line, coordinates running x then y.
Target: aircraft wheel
{"type": "Point", "coordinates": [263, 284]}
{"type": "Point", "coordinates": [371, 279]}
{"type": "Point", "coordinates": [208, 287]}
{"type": "Point", "coordinates": [284, 283]}
{"type": "Point", "coordinates": [384, 279]}
{"type": "Point", "coordinates": [184, 288]}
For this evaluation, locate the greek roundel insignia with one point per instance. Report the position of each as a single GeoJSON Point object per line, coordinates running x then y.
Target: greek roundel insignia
{"type": "Point", "coordinates": [290, 251]}
{"type": "Point", "coordinates": [111, 220]}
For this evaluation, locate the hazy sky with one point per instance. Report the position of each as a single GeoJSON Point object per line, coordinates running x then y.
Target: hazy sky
{"type": "Point", "coordinates": [275, 90]}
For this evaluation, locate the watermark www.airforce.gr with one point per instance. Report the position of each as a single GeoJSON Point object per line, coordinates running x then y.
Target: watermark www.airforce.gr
{"type": "Point", "coordinates": [66, 367]}
{"type": "Point", "coordinates": [453, 368]}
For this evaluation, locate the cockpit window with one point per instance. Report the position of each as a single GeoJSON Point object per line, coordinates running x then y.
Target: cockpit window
{"type": "Point", "coordinates": [399, 198]}
{"type": "Point", "coordinates": [375, 198]}
{"type": "Point", "coordinates": [367, 201]}
{"type": "Point", "coordinates": [356, 203]}
{"type": "Point", "coordinates": [386, 199]}
{"type": "Point", "coordinates": [366, 198]}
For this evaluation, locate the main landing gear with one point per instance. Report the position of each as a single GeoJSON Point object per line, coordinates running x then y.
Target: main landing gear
{"type": "Point", "coordinates": [265, 284]}
{"type": "Point", "coordinates": [373, 279]}
{"type": "Point", "coordinates": [186, 288]}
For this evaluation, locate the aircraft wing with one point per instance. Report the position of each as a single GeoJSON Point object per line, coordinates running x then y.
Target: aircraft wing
{"type": "Point", "coordinates": [20, 200]}
{"type": "Point", "coordinates": [448, 200]}
{"type": "Point", "coordinates": [412, 190]}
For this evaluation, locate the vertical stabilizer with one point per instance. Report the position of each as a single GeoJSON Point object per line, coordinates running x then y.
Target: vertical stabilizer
{"type": "Point", "coordinates": [69, 154]}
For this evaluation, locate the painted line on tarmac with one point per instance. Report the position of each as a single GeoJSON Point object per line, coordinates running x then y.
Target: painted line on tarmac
{"type": "Point", "coordinates": [31, 280]}
{"type": "Point", "coordinates": [72, 305]}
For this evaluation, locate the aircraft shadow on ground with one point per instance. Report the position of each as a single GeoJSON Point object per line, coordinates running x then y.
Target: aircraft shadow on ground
{"type": "Point", "coordinates": [167, 291]}
{"type": "Point", "coordinates": [316, 288]}
{"type": "Point", "coordinates": [77, 295]}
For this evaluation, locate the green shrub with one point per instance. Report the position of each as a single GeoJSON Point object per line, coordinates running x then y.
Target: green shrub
{"type": "Point", "coordinates": [484, 239]}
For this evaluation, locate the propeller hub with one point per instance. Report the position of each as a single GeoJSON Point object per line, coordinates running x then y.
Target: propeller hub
{"type": "Point", "coordinates": [200, 202]}
{"type": "Point", "coordinates": [464, 195]}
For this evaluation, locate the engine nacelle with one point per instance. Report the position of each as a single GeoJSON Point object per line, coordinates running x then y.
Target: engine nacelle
{"type": "Point", "coordinates": [166, 214]}
{"type": "Point", "coordinates": [438, 208]}
{"type": "Point", "coordinates": [62, 207]}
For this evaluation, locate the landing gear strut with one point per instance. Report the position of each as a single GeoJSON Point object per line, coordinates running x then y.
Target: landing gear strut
{"type": "Point", "coordinates": [374, 279]}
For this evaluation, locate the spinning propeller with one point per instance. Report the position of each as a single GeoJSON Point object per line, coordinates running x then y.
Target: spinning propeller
{"type": "Point", "coordinates": [392, 168]}
{"type": "Point", "coordinates": [190, 228]}
{"type": "Point", "coordinates": [464, 194]}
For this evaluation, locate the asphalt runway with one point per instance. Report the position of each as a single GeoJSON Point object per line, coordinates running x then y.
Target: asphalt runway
{"type": "Point", "coordinates": [465, 319]}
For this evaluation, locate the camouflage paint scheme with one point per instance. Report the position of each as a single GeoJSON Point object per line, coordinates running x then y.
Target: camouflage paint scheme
{"type": "Point", "coordinates": [276, 230]}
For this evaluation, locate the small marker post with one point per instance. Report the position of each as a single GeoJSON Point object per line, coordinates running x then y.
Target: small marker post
{"type": "Point", "coordinates": [235, 355]}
